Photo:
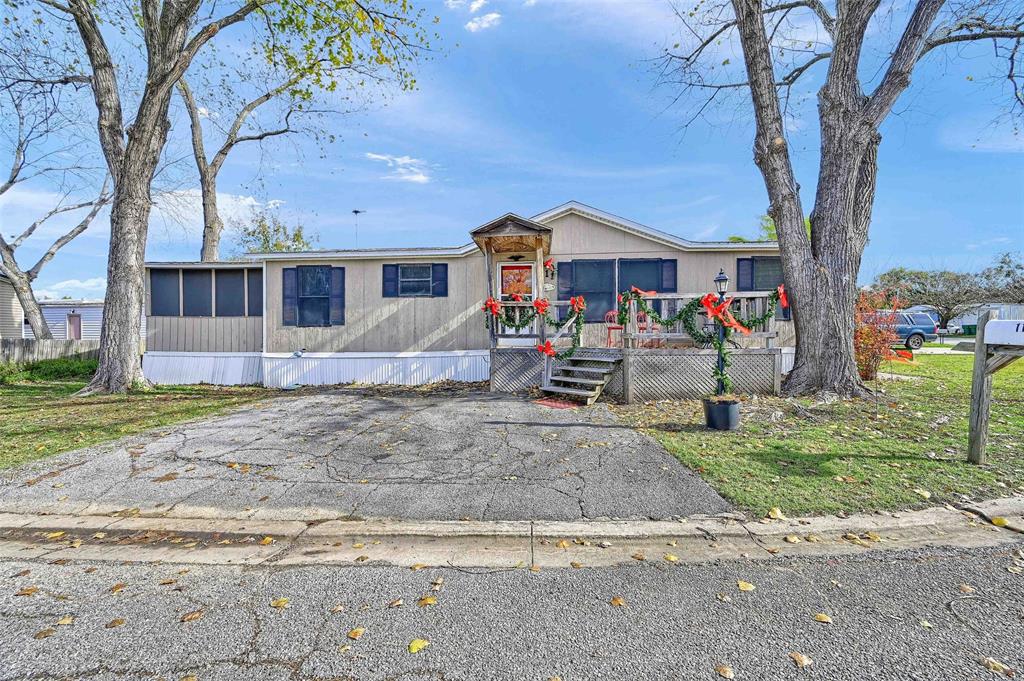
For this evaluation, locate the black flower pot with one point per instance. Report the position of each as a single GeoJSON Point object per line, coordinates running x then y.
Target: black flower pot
{"type": "Point", "coordinates": [722, 414]}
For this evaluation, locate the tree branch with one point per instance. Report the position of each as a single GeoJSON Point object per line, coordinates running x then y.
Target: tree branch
{"type": "Point", "coordinates": [97, 206]}
{"type": "Point", "coordinates": [233, 137]}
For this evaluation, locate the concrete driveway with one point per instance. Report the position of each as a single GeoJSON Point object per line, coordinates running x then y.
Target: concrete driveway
{"type": "Point", "coordinates": [374, 454]}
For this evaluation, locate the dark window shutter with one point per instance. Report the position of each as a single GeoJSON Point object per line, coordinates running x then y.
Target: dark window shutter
{"type": "Point", "coordinates": [744, 274]}
{"type": "Point", "coordinates": [255, 292]}
{"type": "Point", "coordinates": [565, 280]}
{"type": "Point", "coordinates": [289, 296]}
{"type": "Point", "coordinates": [390, 289]}
{"type": "Point", "coordinates": [668, 276]}
{"type": "Point", "coordinates": [337, 296]}
{"type": "Point", "coordinates": [439, 280]}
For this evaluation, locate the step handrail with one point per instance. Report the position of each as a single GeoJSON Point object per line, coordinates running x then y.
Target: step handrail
{"type": "Point", "coordinates": [549, 363]}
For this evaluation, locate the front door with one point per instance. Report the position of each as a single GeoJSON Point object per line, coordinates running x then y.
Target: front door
{"type": "Point", "coordinates": [516, 280]}
{"type": "Point", "coordinates": [74, 327]}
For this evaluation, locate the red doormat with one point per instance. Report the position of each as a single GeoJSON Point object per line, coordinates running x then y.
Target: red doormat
{"type": "Point", "coordinates": [557, 404]}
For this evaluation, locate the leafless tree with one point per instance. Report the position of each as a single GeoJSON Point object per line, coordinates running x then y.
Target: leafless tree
{"type": "Point", "coordinates": [781, 43]}
{"type": "Point", "coordinates": [40, 107]}
{"type": "Point", "coordinates": [171, 33]}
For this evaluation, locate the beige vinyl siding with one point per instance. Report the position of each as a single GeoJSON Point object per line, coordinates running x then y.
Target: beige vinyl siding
{"type": "Point", "coordinates": [204, 334]}
{"type": "Point", "coordinates": [11, 315]}
{"type": "Point", "coordinates": [377, 324]}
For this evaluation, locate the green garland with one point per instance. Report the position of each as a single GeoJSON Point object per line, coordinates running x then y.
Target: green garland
{"type": "Point", "coordinates": [519, 318]}
{"type": "Point", "coordinates": [688, 316]}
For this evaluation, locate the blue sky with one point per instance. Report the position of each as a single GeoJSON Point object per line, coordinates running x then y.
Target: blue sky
{"type": "Point", "coordinates": [531, 104]}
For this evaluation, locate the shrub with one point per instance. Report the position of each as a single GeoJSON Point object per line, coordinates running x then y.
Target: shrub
{"type": "Point", "coordinates": [874, 331]}
{"type": "Point", "coordinates": [64, 369]}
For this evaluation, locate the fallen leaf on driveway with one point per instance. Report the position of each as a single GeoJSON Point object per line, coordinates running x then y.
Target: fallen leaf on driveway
{"type": "Point", "coordinates": [639, 556]}
{"type": "Point", "coordinates": [192, 616]}
{"type": "Point", "coordinates": [994, 665]}
{"type": "Point", "coordinates": [791, 539]}
{"type": "Point", "coordinates": [745, 586]}
{"type": "Point", "coordinates": [279, 603]}
{"type": "Point", "coordinates": [923, 493]}
{"type": "Point", "coordinates": [775, 513]}
{"type": "Point", "coordinates": [65, 620]}
{"type": "Point", "coordinates": [117, 588]}
{"type": "Point", "coordinates": [967, 589]}
{"type": "Point", "coordinates": [167, 582]}
{"type": "Point", "coordinates": [362, 559]}
{"type": "Point", "coordinates": [617, 601]}
{"type": "Point", "coordinates": [266, 541]}
{"type": "Point", "coordinates": [427, 601]}
{"type": "Point", "coordinates": [116, 622]}
{"type": "Point", "coordinates": [437, 583]}
{"type": "Point", "coordinates": [45, 633]}
{"type": "Point", "coordinates": [575, 564]}
{"type": "Point", "coordinates": [166, 478]}
{"type": "Point", "coordinates": [562, 544]}
{"type": "Point", "coordinates": [725, 671]}
{"type": "Point", "coordinates": [55, 535]}
{"type": "Point", "coordinates": [801, 660]}
{"type": "Point", "coordinates": [535, 568]}
{"type": "Point", "coordinates": [926, 624]}
{"type": "Point", "coordinates": [418, 644]}
{"type": "Point", "coordinates": [417, 567]}
{"type": "Point", "coordinates": [823, 618]}
{"type": "Point", "coordinates": [28, 591]}
{"type": "Point", "coordinates": [357, 633]}
{"type": "Point", "coordinates": [397, 603]}
{"type": "Point", "coordinates": [1000, 521]}
{"type": "Point", "coordinates": [671, 557]}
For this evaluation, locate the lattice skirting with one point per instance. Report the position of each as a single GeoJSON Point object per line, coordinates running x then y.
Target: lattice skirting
{"type": "Point", "coordinates": [515, 369]}
{"type": "Point", "coordinates": [688, 374]}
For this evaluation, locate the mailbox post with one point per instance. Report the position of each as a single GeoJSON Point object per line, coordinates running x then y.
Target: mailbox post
{"type": "Point", "coordinates": [997, 344]}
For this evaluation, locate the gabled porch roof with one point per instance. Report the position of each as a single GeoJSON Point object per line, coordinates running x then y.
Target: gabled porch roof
{"type": "Point", "coordinates": [512, 233]}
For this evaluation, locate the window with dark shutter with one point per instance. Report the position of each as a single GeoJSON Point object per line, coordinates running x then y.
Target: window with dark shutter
{"type": "Point", "coordinates": [230, 293]}
{"type": "Point", "coordinates": [645, 274]}
{"type": "Point", "coordinates": [165, 295]}
{"type": "Point", "coordinates": [255, 292]}
{"type": "Point", "coordinates": [314, 307]}
{"type": "Point", "coordinates": [197, 293]}
{"type": "Point", "coordinates": [761, 274]}
{"type": "Point", "coordinates": [390, 281]}
{"type": "Point", "coordinates": [595, 281]}
{"type": "Point", "coordinates": [289, 296]}
{"type": "Point", "coordinates": [439, 280]}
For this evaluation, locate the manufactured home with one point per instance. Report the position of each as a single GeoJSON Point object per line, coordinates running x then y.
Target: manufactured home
{"type": "Point", "coordinates": [10, 310]}
{"type": "Point", "coordinates": [414, 315]}
{"type": "Point", "coordinates": [69, 319]}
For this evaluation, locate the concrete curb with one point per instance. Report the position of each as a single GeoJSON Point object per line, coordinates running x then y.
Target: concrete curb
{"type": "Point", "coordinates": [500, 543]}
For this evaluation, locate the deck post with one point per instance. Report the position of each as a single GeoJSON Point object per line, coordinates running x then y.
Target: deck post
{"type": "Point", "coordinates": [981, 393]}
{"type": "Point", "coordinates": [489, 264]}
{"type": "Point", "coordinates": [627, 375]}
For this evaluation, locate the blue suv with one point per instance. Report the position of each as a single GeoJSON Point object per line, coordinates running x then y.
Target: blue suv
{"type": "Point", "coordinates": [914, 328]}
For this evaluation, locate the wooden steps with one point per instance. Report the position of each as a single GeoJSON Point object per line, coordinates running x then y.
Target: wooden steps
{"type": "Point", "coordinates": [577, 380]}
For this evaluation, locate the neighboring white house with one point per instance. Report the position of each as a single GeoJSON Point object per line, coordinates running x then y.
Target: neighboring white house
{"type": "Point", "coordinates": [1005, 310]}
{"type": "Point", "coordinates": [70, 319]}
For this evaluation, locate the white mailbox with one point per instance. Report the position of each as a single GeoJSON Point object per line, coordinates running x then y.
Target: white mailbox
{"type": "Point", "coordinates": [1005, 332]}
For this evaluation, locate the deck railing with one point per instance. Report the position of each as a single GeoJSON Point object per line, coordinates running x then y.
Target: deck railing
{"type": "Point", "coordinates": [641, 332]}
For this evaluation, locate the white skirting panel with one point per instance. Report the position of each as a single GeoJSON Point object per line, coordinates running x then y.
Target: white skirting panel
{"type": "Point", "coordinates": [788, 357]}
{"type": "Point", "coordinates": [214, 368]}
{"type": "Point", "coordinates": [399, 368]}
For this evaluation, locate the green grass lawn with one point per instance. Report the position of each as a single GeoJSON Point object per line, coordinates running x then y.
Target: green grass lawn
{"type": "Point", "coordinates": [40, 419]}
{"type": "Point", "coordinates": [891, 452]}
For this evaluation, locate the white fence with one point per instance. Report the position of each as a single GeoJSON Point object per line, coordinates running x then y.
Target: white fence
{"type": "Point", "coordinates": [215, 368]}
{"type": "Point", "coordinates": [398, 368]}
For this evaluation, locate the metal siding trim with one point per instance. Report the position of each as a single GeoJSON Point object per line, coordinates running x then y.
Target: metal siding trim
{"type": "Point", "coordinates": [214, 368]}
{"type": "Point", "coordinates": [406, 368]}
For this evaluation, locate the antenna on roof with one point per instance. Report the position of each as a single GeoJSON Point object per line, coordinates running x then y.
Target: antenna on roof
{"type": "Point", "coordinates": [356, 212]}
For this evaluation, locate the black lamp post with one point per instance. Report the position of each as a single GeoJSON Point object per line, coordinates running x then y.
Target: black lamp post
{"type": "Point", "coordinates": [722, 286]}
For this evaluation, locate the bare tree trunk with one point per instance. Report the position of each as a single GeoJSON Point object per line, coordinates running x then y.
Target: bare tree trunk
{"type": "Point", "coordinates": [29, 304]}
{"type": "Point", "coordinates": [213, 226]}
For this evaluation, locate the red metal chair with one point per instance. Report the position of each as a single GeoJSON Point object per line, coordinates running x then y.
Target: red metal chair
{"type": "Point", "coordinates": [611, 323]}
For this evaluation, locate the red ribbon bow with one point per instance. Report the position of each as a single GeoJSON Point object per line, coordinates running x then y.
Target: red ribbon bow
{"type": "Point", "coordinates": [517, 298]}
{"type": "Point", "coordinates": [549, 264]}
{"type": "Point", "coordinates": [547, 349]}
{"type": "Point", "coordinates": [541, 305]}
{"type": "Point", "coordinates": [722, 313]}
{"type": "Point", "coordinates": [642, 292]}
{"type": "Point", "coordinates": [493, 306]}
{"type": "Point", "coordinates": [578, 304]}
{"type": "Point", "coordinates": [783, 299]}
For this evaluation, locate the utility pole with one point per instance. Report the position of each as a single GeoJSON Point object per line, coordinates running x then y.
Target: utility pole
{"type": "Point", "coordinates": [356, 212]}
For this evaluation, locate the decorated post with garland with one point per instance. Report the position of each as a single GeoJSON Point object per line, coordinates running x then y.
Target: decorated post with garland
{"type": "Point", "coordinates": [522, 317]}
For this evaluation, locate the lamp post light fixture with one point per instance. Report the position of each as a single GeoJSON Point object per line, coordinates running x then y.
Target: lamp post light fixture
{"type": "Point", "coordinates": [721, 285]}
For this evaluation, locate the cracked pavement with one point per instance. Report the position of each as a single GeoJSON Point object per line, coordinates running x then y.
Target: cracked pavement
{"type": "Point", "coordinates": [903, 615]}
{"type": "Point", "coordinates": [351, 453]}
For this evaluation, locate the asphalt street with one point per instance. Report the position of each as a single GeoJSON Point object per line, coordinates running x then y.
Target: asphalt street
{"type": "Point", "coordinates": [922, 615]}
{"type": "Point", "coordinates": [351, 454]}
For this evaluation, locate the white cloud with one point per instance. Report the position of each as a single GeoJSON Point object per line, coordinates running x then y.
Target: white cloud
{"type": "Point", "coordinates": [529, 3]}
{"type": "Point", "coordinates": [476, 5]}
{"type": "Point", "coordinates": [454, 4]}
{"type": "Point", "coordinates": [73, 288]}
{"type": "Point", "coordinates": [403, 168]}
{"type": "Point", "coordinates": [483, 22]}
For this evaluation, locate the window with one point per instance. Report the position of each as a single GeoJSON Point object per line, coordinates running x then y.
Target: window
{"type": "Point", "coordinates": [921, 319]}
{"type": "Point", "coordinates": [197, 293]}
{"type": "Point", "coordinates": [647, 274]}
{"type": "Point", "coordinates": [415, 280]}
{"type": "Point", "coordinates": [230, 293]}
{"type": "Point", "coordinates": [165, 295]}
{"type": "Point", "coordinates": [761, 274]}
{"type": "Point", "coordinates": [592, 279]}
{"type": "Point", "coordinates": [255, 278]}
{"type": "Point", "coordinates": [313, 295]}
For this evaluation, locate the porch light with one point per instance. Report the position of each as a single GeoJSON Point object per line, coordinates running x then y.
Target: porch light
{"type": "Point", "coordinates": [721, 282]}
